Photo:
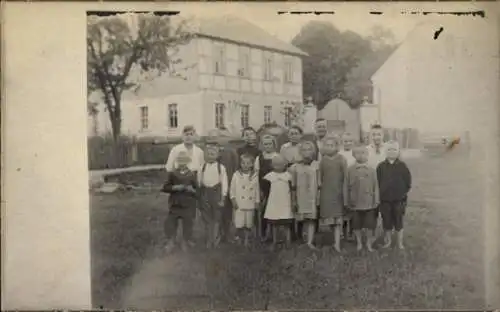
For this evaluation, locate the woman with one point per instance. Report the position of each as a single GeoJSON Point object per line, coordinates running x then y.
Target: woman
{"type": "Point", "coordinates": [291, 150]}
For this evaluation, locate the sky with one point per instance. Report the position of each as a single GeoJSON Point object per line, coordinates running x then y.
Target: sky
{"type": "Point", "coordinates": [348, 16]}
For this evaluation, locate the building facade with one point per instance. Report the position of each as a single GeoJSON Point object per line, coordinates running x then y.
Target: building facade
{"type": "Point", "coordinates": [438, 77]}
{"type": "Point", "coordinates": [340, 118]}
{"type": "Point", "coordinates": [234, 75]}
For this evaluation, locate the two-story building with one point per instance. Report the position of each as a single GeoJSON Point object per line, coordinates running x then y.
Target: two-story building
{"type": "Point", "coordinates": [234, 75]}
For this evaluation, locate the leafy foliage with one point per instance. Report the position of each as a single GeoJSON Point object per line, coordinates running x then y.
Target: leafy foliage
{"type": "Point", "coordinates": [116, 45]}
{"type": "Point", "coordinates": [340, 64]}
{"type": "Point", "coordinates": [332, 54]}
{"type": "Point", "coordinates": [358, 83]}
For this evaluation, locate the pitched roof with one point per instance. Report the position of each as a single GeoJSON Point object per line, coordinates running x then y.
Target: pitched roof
{"type": "Point", "coordinates": [239, 30]}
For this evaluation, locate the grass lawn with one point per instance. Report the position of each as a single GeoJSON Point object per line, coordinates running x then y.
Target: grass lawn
{"type": "Point", "coordinates": [442, 266]}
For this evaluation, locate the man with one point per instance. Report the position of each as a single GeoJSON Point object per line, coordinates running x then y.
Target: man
{"type": "Point", "coordinates": [195, 153]}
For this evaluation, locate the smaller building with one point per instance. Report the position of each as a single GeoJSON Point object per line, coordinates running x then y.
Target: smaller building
{"type": "Point", "coordinates": [340, 117]}
{"type": "Point", "coordinates": [369, 115]}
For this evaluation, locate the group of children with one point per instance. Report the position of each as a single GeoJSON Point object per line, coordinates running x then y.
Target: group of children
{"type": "Point", "coordinates": [304, 186]}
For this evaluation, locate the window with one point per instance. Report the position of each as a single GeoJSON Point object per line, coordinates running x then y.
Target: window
{"type": "Point", "coordinates": [173, 116]}
{"type": "Point", "coordinates": [245, 115]}
{"type": "Point", "coordinates": [268, 112]}
{"type": "Point", "coordinates": [219, 60]}
{"type": "Point", "coordinates": [288, 116]}
{"type": "Point", "coordinates": [288, 71]}
{"type": "Point", "coordinates": [219, 115]}
{"type": "Point", "coordinates": [268, 69]}
{"type": "Point", "coordinates": [144, 118]}
{"type": "Point", "coordinates": [244, 70]}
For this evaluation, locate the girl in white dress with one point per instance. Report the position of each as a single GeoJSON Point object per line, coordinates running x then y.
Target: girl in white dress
{"type": "Point", "coordinates": [279, 212]}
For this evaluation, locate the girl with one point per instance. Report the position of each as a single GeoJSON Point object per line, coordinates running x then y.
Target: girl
{"type": "Point", "coordinates": [245, 196]}
{"type": "Point", "coordinates": [305, 180]}
{"type": "Point", "coordinates": [263, 165]}
{"type": "Point", "coordinates": [213, 191]}
{"type": "Point", "coordinates": [290, 150]}
{"type": "Point", "coordinates": [332, 170]}
{"type": "Point", "coordinates": [279, 204]}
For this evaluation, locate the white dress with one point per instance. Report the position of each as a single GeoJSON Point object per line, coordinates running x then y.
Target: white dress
{"type": "Point", "coordinates": [279, 204]}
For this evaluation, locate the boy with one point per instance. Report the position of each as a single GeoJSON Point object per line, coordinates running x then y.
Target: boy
{"type": "Point", "coordinates": [229, 159]}
{"type": "Point", "coordinates": [194, 152]}
{"type": "Point", "coordinates": [213, 193]}
{"type": "Point", "coordinates": [182, 186]}
{"type": "Point", "coordinates": [394, 180]}
{"type": "Point", "coordinates": [361, 196]}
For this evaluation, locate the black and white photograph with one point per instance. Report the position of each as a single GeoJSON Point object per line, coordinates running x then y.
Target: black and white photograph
{"type": "Point", "coordinates": [275, 157]}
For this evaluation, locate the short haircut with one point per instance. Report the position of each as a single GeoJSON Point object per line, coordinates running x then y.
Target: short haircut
{"type": "Point", "coordinates": [360, 147]}
{"type": "Point", "coordinates": [298, 129]}
{"type": "Point", "coordinates": [188, 128]}
{"type": "Point", "coordinates": [248, 129]}
{"type": "Point", "coordinates": [320, 120]}
{"type": "Point", "coordinates": [183, 155]}
{"type": "Point", "coordinates": [347, 135]}
{"type": "Point", "coordinates": [392, 143]}
{"type": "Point", "coordinates": [376, 126]}
{"type": "Point", "coordinates": [247, 156]}
{"type": "Point", "coordinates": [332, 137]}
{"type": "Point", "coordinates": [279, 159]}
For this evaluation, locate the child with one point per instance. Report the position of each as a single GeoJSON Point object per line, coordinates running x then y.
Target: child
{"type": "Point", "coordinates": [333, 167]}
{"type": "Point", "coordinates": [361, 195]}
{"type": "Point", "coordinates": [346, 151]}
{"type": "Point", "coordinates": [306, 183]}
{"type": "Point", "coordinates": [278, 210]}
{"type": "Point", "coordinates": [213, 191]}
{"type": "Point", "coordinates": [229, 159]}
{"type": "Point", "coordinates": [263, 165]}
{"type": "Point", "coordinates": [290, 150]}
{"type": "Point", "coordinates": [182, 186]}
{"type": "Point", "coordinates": [194, 152]}
{"type": "Point", "coordinates": [245, 195]}
{"type": "Point", "coordinates": [347, 143]}
{"type": "Point", "coordinates": [394, 180]}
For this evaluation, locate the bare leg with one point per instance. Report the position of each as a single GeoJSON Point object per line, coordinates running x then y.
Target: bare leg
{"type": "Point", "coordinates": [359, 242]}
{"type": "Point", "coordinates": [216, 235]}
{"type": "Point", "coordinates": [336, 233]}
{"type": "Point", "coordinates": [369, 240]}
{"type": "Point", "coordinates": [310, 234]}
{"type": "Point", "coordinates": [400, 239]}
{"type": "Point", "coordinates": [387, 239]}
{"type": "Point", "coordinates": [247, 234]}
{"type": "Point", "coordinates": [274, 229]}
{"type": "Point", "coordinates": [288, 230]}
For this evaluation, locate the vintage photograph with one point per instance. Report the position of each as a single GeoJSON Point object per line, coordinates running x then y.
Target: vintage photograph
{"type": "Point", "coordinates": [260, 159]}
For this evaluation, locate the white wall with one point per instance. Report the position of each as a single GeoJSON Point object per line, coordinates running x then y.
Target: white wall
{"type": "Point", "coordinates": [438, 82]}
{"type": "Point", "coordinates": [369, 115]}
{"type": "Point", "coordinates": [189, 113]}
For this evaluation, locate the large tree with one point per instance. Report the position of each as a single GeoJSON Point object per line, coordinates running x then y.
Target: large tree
{"type": "Point", "coordinates": [358, 84]}
{"type": "Point", "coordinates": [332, 54]}
{"type": "Point", "coordinates": [119, 44]}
